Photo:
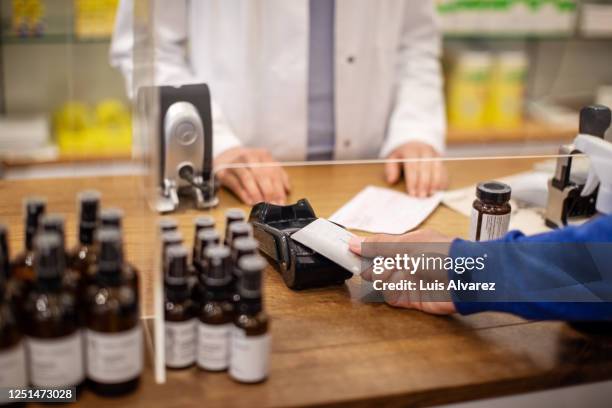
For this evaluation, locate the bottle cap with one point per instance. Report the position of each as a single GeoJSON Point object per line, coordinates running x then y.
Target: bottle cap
{"type": "Point", "coordinates": [110, 257]}
{"type": "Point", "coordinates": [239, 229]}
{"type": "Point", "coordinates": [249, 284]}
{"type": "Point", "coordinates": [54, 223]}
{"type": "Point", "coordinates": [89, 204]}
{"type": "Point", "coordinates": [218, 272]}
{"type": "Point", "coordinates": [111, 217]}
{"type": "Point", "coordinates": [205, 221]}
{"type": "Point", "coordinates": [176, 265]}
{"type": "Point", "coordinates": [245, 245]}
{"type": "Point", "coordinates": [34, 208]}
{"type": "Point", "coordinates": [167, 225]}
{"type": "Point", "coordinates": [594, 120]}
{"type": "Point", "coordinates": [4, 249]}
{"type": "Point", "coordinates": [234, 214]}
{"type": "Point", "coordinates": [206, 238]}
{"type": "Point", "coordinates": [49, 256]}
{"type": "Point", "coordinates": [493, 192]}
{"type": "Point", "coordinates": [171, 238]}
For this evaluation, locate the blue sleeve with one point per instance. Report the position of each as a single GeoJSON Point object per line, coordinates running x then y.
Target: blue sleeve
{"type": "Point", "coordinates": [518, 264]}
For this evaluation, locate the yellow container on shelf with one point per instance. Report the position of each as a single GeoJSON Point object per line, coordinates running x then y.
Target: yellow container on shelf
{"type": "Point", "coordinates": [506, 90]}
{"type": "Point", "coordinates": [105, 131]}
{"type": "Point", "coordinates": [467, 90]}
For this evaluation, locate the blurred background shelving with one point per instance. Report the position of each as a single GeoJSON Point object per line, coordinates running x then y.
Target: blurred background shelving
{"type": "Point", "coordinates": [516, 72]}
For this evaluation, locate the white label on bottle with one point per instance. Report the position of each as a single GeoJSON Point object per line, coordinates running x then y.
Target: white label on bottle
{"type": "Point", "coordinates": [250, 356]}
{"type": "Point", "coordinates": [491, 226]}
{"type": "Point", "coordinates": [13, 369]}
{"type": "Point", "coordinates": [181, 343]}
{"type": "Point", "coordinates": [213, 346]}
{"type": "Point", "coordinates": [114, 357]}
{"type": "Point", "coordinates": [56, 362]}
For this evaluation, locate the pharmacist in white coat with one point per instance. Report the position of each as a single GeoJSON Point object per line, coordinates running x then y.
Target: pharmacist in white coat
{"type": "Point", "coordinates": [305, 79]}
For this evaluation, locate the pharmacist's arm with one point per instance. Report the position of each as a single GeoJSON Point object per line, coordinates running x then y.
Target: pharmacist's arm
{"type": "Point", "coordinates": [550, 264]}
{"type": "Point", "coordinates": [171, 30]}
{"type": "Point", "coordinates": [417, 124]}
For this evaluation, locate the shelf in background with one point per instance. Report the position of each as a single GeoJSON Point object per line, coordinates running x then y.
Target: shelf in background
{"type": "Point", "coordinates": [530, 131]}
{"type": "Point", "coordinates": [56, 38]}
{"type": "Point", "coordinates": [66, 159]}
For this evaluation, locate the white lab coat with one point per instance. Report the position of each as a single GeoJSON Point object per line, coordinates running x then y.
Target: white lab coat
{"type": "Point", "coordinates": [253, 54]}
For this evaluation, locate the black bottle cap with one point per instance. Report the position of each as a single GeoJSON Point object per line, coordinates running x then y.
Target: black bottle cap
{"type": "Point", "coordinates": [54, 223]}
{"type": "Point", "coordinates": [493, 192]}
{"type": "Point", "coordinates": [167, 225]}
{"type": "Point", "coordinates": [5, 263]}
{"type": "Point", "coordinates": [595, 120]}
{"type": "Point", "coordinates": [238, 230]}
{"type": "Point", "coordinates": [249, 284]}
{"type": "Point", "coordinates": [171, 238]}
{"type": "Point", "coordinates": [246, 244]}
{"type": "Point", "coordinates": [110, 256]}
{"type": "Point", "coordinates": [111, 217]}
{"type": "Point", "coordinates": [34, 208]}
{"type": "Point", "coordinates": [205, 221]}
{"type": "Point", "coordinates": [218, 272]}
{"type": "Point", "coordinates": [89, 205]}
{"type": "Point", "coordinates": [205, 239]}
{"type": "Point", "coordinates": [49, 256]}
{"type": "Point", "coordinates": [233, 215]}
{"type": "Point", "coordinates": [176, 265]}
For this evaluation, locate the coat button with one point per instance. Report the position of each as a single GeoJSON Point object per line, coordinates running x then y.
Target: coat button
{"type": "Point", "coordinates": [350, 59]}
{"type": "Point", "coordinates": [347, 143]}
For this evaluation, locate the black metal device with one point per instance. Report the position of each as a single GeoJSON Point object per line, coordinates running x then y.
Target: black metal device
{"type": "Point", "coordinates": [300, 267]}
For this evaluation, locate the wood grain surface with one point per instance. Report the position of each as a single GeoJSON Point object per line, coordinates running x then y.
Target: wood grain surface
{"type": "Point", "coordinates": [329, 349]}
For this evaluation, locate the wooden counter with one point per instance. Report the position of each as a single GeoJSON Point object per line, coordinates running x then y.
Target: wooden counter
{"type": "Point", "coordinates": [329, 349]}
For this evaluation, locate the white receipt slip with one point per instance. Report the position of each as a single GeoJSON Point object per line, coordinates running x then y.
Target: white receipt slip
{"type": "Point", "coordinates": [331, 241]}
{"type": "Point", "coordinates": [382, 210]}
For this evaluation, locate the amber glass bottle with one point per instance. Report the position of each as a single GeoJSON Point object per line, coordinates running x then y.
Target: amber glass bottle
{"type": "Point", "coordinates": [206, 239]}
{"type": "Point", "coordinates": [113, 333]}
{"type": "Point", "coordinates": [13, 372]}
{"type": "Point", "coordinates": [232, 215]}
{"type": "Point", "coordinates": [179, 312]}
{"type": "Point", "coordinates": [113, 218]}
{"type": "Point", "coordinates": [83, 257]}
{"type": "Point", "coordinates": [54, 338]}
{"type": "Point", "coordinates": [216, 311]}
{"type": "Point", "coordinates": [250, 353]}
{"type": "Point", "coordinates": [200, 224]}
{"type": "Point", "coordinates": [23, 264]}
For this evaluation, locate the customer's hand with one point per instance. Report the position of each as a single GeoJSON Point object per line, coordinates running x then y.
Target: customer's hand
{"type": "Point", "coordinates": [407, 299]}
{"type": "Point", "coordinates": [254, 184]}
{"type": "Point", "coordinates": [422, 176]}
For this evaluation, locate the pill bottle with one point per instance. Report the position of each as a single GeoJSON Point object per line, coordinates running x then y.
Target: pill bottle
{"type": "Point", "coordinates": [490, 211]}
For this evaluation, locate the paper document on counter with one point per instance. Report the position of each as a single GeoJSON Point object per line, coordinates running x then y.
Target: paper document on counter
{"type": "Point", "coordinates": [331, 241]}
{"type": "Point", "coordinates": [382, 210]}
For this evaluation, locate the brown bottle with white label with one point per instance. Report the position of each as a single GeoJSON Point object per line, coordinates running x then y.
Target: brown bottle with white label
{"type": "Point", "coordinates": [216, 311]}
{"type": "Point", "coordinates": [13, 372]}
{"type": "Point", "coordinates": [113, 333]}
{"type": "Point", "coordinates": [250, 353]}
{"type": "Point", "coordinates": [53, 336]}
{"type": "Point", "coordinates": [179, 311]}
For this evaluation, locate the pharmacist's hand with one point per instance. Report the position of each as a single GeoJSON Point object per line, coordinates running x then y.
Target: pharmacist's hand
{"type": "Point", "coordinates": [254, 184]}
{"type": "Point", "coordinates": [394, 244]}
{"type": "Point", "coordinates": [423, 176]}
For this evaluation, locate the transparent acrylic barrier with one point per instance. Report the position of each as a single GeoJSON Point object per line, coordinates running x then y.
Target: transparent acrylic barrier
{"type": "Point", "coordinates": [328, 186]}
